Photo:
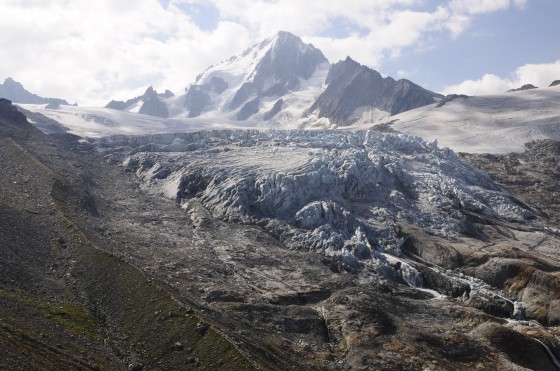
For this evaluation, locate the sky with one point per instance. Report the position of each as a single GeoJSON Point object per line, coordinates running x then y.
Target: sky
{"type": "Point", "coordinates": [90, 52]}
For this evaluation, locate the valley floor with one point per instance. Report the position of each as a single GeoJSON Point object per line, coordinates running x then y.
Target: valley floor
{"type": "Point", "coordinates": [97, 273]}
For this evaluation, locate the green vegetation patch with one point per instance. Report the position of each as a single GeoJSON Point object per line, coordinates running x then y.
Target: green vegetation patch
{"type": "Point", "coordinates": [75, 320]}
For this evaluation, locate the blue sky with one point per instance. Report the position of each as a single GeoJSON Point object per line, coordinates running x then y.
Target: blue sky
{"type": "Point", "coordinates": [495, 43]}
{"type": "Point", "coordinates": [91, 52]}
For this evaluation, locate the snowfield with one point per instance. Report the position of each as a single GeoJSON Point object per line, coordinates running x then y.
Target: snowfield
{"type": "Point", "coordinates": [340, 193]}
{"type": "Point", "coordinates": [500, 123]}
{"type": "Point", "coordinates": [96, 122]}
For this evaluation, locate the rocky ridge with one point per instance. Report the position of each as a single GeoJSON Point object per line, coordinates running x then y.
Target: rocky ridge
{"type": "Point", "coordinates": [351, 86]}
{"type": "Point", "coordinates": [524, 87]}
{"type": "Point", "coordinates": [148, 104]}
{"type": "Point", "coordinates": [15, 92]}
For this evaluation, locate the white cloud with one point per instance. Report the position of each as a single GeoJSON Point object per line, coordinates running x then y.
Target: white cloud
{"type": "Point", "coordinates": [406, 74]}
{"type": "Point", "coordinates": [488, 84]}
{"type": "Point", "coordinates": [461, 12]}
{"type": "Point", "coordinates": [478, 6]}
{"type": "Point", "coordinates": [540, 75]}
{"type": "Point", "coordinates": [94, 51]}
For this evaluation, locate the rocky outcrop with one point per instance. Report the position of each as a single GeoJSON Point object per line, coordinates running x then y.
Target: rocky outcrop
{"type": "Point", "coordinates": [449, 98]}
{"type": "Point", "coordinates": [554, 83]}
{"type": "Point", "coordinates": [120, 105]}
{"type": "Point", "coordinates": [491, 304]}
{"type": "Point", "coordinates": [150, 101]}
{"type": "Point", "coordinates": [167, 94]}
{"type": "Point", "coordinates": [198, 96]}
{"type": "Point", "coordinates": [533, 174]}
{"type": "Point", "coordinates": [13, 122]}
{"type": "Point", "coordinates": [196, 100]}
{"type": "Point", "coordinates": [248, 109]}
{"type": "Point", "coordinates": [152, 105]}
{"type": "Point", "coordinates": [274, 110]}
{"type": "Point", "coordinates": [352, 86]}
{"type": "Point", "coordinates": [524, 87]}
{"type": "Point", "coordinates": [15, 92]}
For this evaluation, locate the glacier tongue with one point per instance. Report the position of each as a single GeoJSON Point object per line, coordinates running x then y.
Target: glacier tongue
{"type": "Point", "coordinates": [341, 193]}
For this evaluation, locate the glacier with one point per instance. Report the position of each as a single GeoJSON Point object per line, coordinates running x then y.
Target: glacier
{"type": "Point", "coordinates": [339, 193]}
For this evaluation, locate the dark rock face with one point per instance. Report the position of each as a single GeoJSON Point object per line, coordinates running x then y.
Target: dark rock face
{"type": "Point", "coordinates": [120, 105]}
{"type": "Point", "coordinates": [449, 98]}
{"type": "Point", "coordinates": [274, 110]}
{"type": "Point", "coordinates": [439, 282]}
{"type": "Point", "coordinates": [244, 92]}
{"type": "Point", "coordinates": [492, 305]}
{"type": "Point", "coordinates": [152, 105]}
{"type": "Point", "coordinates": [554, 83]}
{"type": "Point", "coordinates": [533, 174]}
{"type": "Point", "coordinates": [53, 105]}
{"type": "Point", "coordinates": [198, 96]}
{"type": "Point", "coordinates": [11, 120]}
{"type": "Point", "coordinates": [196, 100]}
{"type": "Point", "coordinates": [218, 85]}
{"type": "Point", "coordinates": [524, 87]}
{"type": "Point", "coordinates": [167, 94]}
{"type": "Point", "coordinates": [249, 109]}
{"type": "Point", "coordinates": [351, 85]}
{"type": "Point", "coordinates": [15, 92]}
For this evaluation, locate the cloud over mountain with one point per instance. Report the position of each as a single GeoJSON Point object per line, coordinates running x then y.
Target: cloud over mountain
{"type": "Point", "coordinates": [166, 43]}
{"type": "Point", "coordinates": [540, 75]}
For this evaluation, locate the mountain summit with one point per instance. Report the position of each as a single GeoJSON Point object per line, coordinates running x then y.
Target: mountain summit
{"type": "Point", "coordinates": [286, 82]}
{"type": "Point", "coordinates": [247, 83]}
{"type": "Point", "coordinates": [282, 82]}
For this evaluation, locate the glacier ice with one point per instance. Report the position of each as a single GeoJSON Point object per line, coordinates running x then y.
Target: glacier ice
{"type": "Point", "coordinates": [340, 193]}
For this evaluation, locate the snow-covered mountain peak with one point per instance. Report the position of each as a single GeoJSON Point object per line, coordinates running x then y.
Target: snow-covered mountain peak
{"type": "Point", "coordinates": [283, 40]}
{"type": "Point", "coordinates": [253, 83]}
{"type": "Point", "coordinates": [245, 65]}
